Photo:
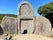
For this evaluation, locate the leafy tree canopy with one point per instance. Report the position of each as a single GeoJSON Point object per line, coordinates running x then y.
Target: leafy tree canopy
{"type": "Point", "coordinates": [43, 10]}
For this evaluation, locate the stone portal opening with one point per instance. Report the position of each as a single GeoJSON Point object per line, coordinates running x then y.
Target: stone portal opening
{"type": "Point", "coordinates": [25, 25]}
{"type": "Point", "coordinates": [25, 32]}
{"type": "Point", "coordinates": [50, 17]}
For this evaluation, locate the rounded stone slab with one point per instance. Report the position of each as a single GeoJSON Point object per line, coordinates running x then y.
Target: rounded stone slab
{"type": "Point", "coordinates": [9, 25]}
{"type": "Point", "coordinates": [25, 9]}
{"type": "Point", "coordinates": [43, 26]}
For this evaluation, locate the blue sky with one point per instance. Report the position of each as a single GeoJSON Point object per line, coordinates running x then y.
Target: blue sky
{"type": "Point", "coordinates": [10, 6]}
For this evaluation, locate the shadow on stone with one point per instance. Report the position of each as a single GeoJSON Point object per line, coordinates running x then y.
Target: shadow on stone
{"type": "Point", "coordinates": [50, 17]}
{"type": "Point", "coordinates": [25, 32]}
{"type": "Point", "coordinates": [1, 31]}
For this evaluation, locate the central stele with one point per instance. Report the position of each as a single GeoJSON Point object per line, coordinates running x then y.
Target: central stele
{"type": "Point", "coordinates": [25, 18]}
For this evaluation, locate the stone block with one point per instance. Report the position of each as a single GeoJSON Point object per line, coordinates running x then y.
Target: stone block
{"type": "Point", "coordinates": [9, 25]}
{"type": "Point", "coordinates": [42, 26]}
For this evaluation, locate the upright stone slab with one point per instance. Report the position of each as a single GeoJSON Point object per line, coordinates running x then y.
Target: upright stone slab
{"type": "Point", "coordinates": [25, 18]}
{"type": "Point", "coordinates": [9, 25]}
{"type": "Point", "coordinates": [43, 26]}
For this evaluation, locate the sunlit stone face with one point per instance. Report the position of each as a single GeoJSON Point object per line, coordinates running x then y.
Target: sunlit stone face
{"type": "Point", "coordinates": [25, 10]}
{"type": "Point", "coordinates": [25, 20]}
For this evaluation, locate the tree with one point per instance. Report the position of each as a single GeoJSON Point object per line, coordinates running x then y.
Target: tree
{"type": "Point", "coordinates": [47, 11]}
{"type": "Point", "coordinates": [43, 10]}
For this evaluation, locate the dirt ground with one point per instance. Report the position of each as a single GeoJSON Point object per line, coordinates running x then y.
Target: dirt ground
{"type": "Point", "coordinates": [30, 37]}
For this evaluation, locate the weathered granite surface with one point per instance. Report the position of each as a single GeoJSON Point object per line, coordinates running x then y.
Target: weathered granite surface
{"type": "Point", "coordinates": [25, 18]}
{"type": "Point", "coordinates": [9, 25]}
{"type": "Point", "coordinates": [42, 26]}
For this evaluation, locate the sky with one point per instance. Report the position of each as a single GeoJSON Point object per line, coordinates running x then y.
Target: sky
{"type": "Point", "coordinates": [10, 6]}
